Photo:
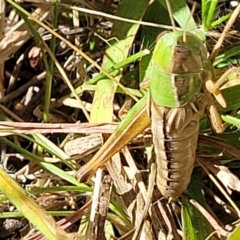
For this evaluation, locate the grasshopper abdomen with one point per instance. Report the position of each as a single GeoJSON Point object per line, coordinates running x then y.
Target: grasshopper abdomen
{"type": "Point", "coordinates": [175, 133]}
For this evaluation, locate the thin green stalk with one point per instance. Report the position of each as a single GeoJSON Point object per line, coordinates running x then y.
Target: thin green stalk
{"type": "Point", "coordinates": [204, 13]}
{"type": "Point", "coordinates": [48, 87]}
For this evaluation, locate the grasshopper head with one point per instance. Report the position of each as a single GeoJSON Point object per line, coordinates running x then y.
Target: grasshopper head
{"type": "Point", "coordinates": [174, 55]}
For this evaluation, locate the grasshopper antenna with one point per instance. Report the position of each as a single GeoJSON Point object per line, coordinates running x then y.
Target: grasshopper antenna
{"type": "Point", "coordinates": [170, 14]}
{"type": "Point", "coordinates": [191, 14]}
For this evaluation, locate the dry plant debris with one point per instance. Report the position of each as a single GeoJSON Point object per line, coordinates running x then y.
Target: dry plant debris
{"type": "Point", "coordinates": [65, 90]}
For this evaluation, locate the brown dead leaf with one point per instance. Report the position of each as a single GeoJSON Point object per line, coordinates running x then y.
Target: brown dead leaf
{"type": "Point", "coordinates": [227, 178]}
{"type": "Point", "coordinates": [82, 144]}
{"type": "Point", "coordinates": [10, 43]}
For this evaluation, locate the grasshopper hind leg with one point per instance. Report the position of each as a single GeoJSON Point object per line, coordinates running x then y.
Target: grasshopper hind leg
{"type": "Point", "coordinates": [206, 104]}
{"type": "Point", "coordinates": [214, 87]}
{"type": "Point", "coordinates": [215, 119]}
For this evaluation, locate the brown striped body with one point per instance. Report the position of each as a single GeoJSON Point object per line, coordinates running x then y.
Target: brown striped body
{"type": "Point", "coordinates": [175, 133]}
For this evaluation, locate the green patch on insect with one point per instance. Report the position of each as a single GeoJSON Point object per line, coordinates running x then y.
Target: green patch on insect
{"type": "Point", "coordinates": [178, 64]}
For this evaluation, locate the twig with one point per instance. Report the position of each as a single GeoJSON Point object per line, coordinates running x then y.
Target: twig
{"type": "Point", "coordinates": [229, 24]}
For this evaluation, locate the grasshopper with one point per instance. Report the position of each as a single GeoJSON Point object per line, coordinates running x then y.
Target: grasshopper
{"type": "Point", "coordinates": [177, 94]}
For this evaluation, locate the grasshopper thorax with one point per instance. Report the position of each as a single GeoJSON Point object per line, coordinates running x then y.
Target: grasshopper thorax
{"type": "Point", "coordinates": [178, 67]}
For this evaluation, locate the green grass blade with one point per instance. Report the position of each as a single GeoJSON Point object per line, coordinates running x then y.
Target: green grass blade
{"type": "Point", "coordinates": [39, 190]}
{"type": "Point", "coordinates": [49, 146]}
{"type": "Point", "coordinates": [35, 214]}
{"type": "Point", "coordinates": [232, 120]}
{"type": "Point", "coordinates": [118, 66]}
{"type": "Point", "coordinates": [220, 20]}
{"type": "Point", "coordinates": [181, 14]}
{"type": "Point", "coordinates": [194, 223]}
{"type": "Point", "coordinates": [210, 12]}
{"type": "Point", "coordinates": [102, 108]}
{"type": "Point", "coordinates": [48, 166]}
{"type": "Point", "coordinates": [42, 141]}
{"type": "Point", "coordinates": [119, 210]}
{"type": "Point", "coordinates": [204, 13]}
{"type": "Point", "coordinates": [223, 57]}
{"type": "Point", "coordinates": [188, 228]}
{"type": "Point", "coordinates": [134, 123]}
{"type": "Point", "coordinates": [49, 77]}
{"type": "Point", "coordinates": [235, 234]}
{"type": "Point", "coordinates": [232, 98]}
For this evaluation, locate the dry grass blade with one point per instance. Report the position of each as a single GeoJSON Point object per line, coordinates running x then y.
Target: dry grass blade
{"type": "Point", "coordinates": [228, 179]}
{"type": "Point", "coordinates": [123, 135]}
{"type": "Point", "coordinates": [225, 32]}
{"type": "Point", "coordinates": [141, 217]}
{"type": "Point", "coordinates": [105, 195]}
{"type": "Point", "coordinates": [220, 144]}
{"type": "Point", "coordinates": [213, 178]}
{"type": "Point", "coordinates": [95, 203]}
{"type": "Point", "coordinates": [19, 34]}
{"type": "Point", "coordinates": [11, 43]}
{"type": "Point", "coordinates": [80, 145]}
{"type": "Point", "coordinates": [64, 223]}
{"type": "Point", "coordinates": [2, 26]}
{"type": "Point", "coordinates": [126, 20]}
{"type": "Point", "coordinates": [102, 108]}
{"type": "Point", "coordinates": [29, 207]}
{"type": "Point", "coordinates": [219, 229]}
{"type": "Point", "coordinates": [9, 128]}
{"type": "Point", "coordinates": [164, 209]}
